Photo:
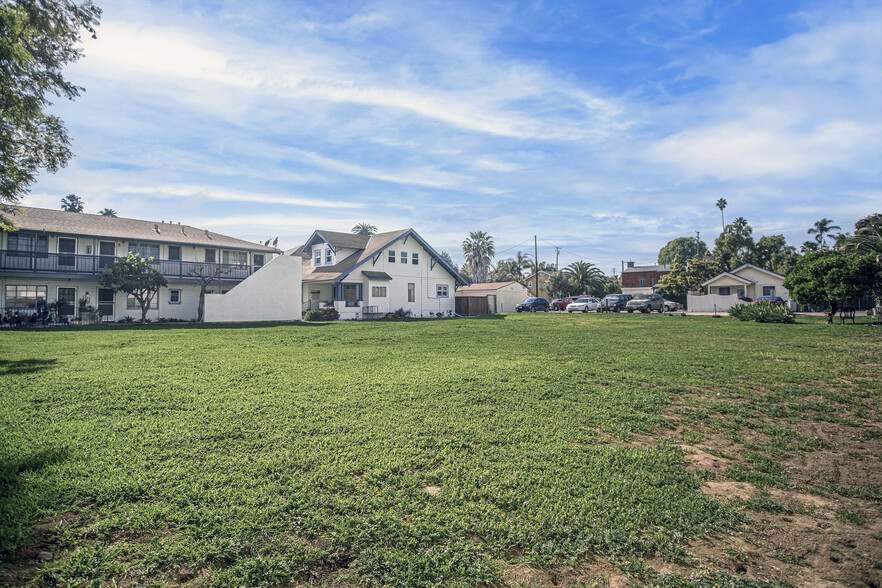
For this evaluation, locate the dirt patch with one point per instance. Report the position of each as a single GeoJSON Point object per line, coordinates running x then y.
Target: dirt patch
{"type": "Point", "coordinates": [603, 573]}
{"type": "Point", "coordinates": [21, 565]}
{"type": "Point", "coordinates": [729, 490]}
{"type": "Point", "coordinates": [433, 490]}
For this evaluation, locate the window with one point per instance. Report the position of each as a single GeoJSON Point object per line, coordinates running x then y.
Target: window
{"type": "Point", "coordinates": [132, 304]}
{"type": "Point", "coordinates": [378, 291]}
{"type": "Point", "coordinates": [391, 256]}
{"type": "Point", "coordinates": [404, 257]}
{"type": "Point", "coordinates": [67, 249]}
{"type": "Point", "coordinates": [768, 291]}
{"type": "Point", "coordinates": [317, 257]}
{"type": "Point", "coordinates": [174, 296]}
{"type": "Point", "coordinates": [68, 299]}
{"type": "Point", "coordinates": [235, 257]}
{"type": "Point", "coordinates": [415, 259]}
{"type": "Point", "coordinates": [441, 290]}
{"type": "Point", "coordinates": [25, 296]}
{"type": "Point", "coordinates": [259, 260]}
{"type": "Point", "coordinates": [329, 257]}
{"type": "Point", "coordinates": [174, 253]}
{"type": "Point", "coordinates": [642, 281]}
{"type": "Point", "coordinates": [145, 250]}
{"type": "Point", "coordinates": [210, 256]}
{"type": "Point", "coordinates": [530, 284]}
{"type": "Point", "coordinates": [725, 290]}
{"type": "Point", "coordinates": [411, 292]}
{"type": "Point", "coordinates": [24, 245]}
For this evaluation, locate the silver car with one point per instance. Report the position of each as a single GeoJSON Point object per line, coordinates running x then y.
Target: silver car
{"type": "Point", "coordinates": [584, 305]}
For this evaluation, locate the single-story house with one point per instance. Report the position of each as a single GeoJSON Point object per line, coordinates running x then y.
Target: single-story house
{"type": "Point", "coordinates": [726, 289]}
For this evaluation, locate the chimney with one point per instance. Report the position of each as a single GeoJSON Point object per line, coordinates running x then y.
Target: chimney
{"type": "Point", "coordinates": [630, 264]}
{"type": "Point", "coordinates": [156, 227]}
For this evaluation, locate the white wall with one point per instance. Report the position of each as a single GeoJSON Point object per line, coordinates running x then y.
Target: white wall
{"type": "Point", "coordinates": [273, 293]}
{"type": "Point", "coordinates": [706, 303]}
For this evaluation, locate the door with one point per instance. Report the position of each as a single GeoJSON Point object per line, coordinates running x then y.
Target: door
{"type": "Point", "coordinates": [105, 304]}
{"type": "Point", "coordinates": [67, 250]}
{"type": "Point", "coordinates": [67, 297]}
{"type": "Point", "coordinates": [106, 253]}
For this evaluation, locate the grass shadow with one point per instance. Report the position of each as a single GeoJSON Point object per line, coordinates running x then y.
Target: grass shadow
{"type": "Point", "coordinates": [25, 366]}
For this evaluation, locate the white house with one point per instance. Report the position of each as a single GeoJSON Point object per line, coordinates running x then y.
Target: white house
{"type": "Point", "coordinates": [726, 289]}
{"type": "Point", "coordinates": [368, 276]}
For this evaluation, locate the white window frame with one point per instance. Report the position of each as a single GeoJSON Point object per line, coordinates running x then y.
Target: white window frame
{"type": "Point", "coordinates": [728, 290]}
{"type": "Point", "coordinates": [773, 292]}
{"type": "Point", "coordinates": [442, 291]}
{"type": "Point", "coordinates": [411, 292]}
{"type": "Point", "coordinates": [415, 259]}
{"type": "Point", "coordinates": [329, 257]}
{"type": "Point", "coordinates": [642, 281]}
{"type": "Point", "coordinates": [391, 257]}
{"type": "Point", "coordinates": [174, 292]}
{"type": "Point", "coordinates": [404, 257]}
{"type": "Point", "coordinates": [378, 291]}
{"type": "Point", "coordinates": [317, 258]}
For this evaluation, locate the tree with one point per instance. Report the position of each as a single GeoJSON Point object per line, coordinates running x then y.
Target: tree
{"type": "Point", "coordinates": [587, 276]}
{"type": "Point", "coordinates": [721, 204]}
{"type": "Point", "coordinates": [133, 275]}
{"type": "Point", "coordinates": [205, 274]}
{"type": "Point", "coordinates": [479, 251]}
{"type": "Point", "coordinates": [72, 203]}
{"type": "Point", "coordinates": [682, 246]}
{"type": "Point", "coordinates": [37, 39]}
{"type": "Point", "coordinates": [773, 253]}
{"type": "Point", "coordinates": [108, 212]}
{"type": "Point", "coordinates": [735, 247]}
{"type": "Point", "coordinates": [560, 285]}
{"type": "Point", "coordinates": [508, 270]}
{"type": "Point", "coordinates": [364, 229]}
{"type": "Point", "coordinates": [874, 220]}
{"type": "Point", "coordinates": [821, 228]}
{"type": "Point", "coordinates": [830, 277]}
{"type": "Point", "coordinates": [867, 240]}
{"type": "Point", "coordinates": [687, 275]}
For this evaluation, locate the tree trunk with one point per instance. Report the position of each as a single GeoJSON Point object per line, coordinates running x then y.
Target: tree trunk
{"type": "Point", "coordinates": [831, 312]}
{"type": "Point", "coordinates": [201, 311]}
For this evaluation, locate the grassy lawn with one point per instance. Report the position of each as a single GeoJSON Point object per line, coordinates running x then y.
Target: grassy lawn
{"type": "Point", "coordinates": [516, 450]}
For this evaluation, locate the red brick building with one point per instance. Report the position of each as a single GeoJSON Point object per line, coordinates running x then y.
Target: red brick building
{"type": "Point", "coordinates": [640, 279]}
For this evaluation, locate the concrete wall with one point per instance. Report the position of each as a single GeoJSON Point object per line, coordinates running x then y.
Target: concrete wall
{"type": "Point", "coordinates": [273, 293]}
{"type": "Point", "coordinates": [706, 303]}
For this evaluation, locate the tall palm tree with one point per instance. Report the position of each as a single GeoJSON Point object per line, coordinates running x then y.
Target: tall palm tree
{"type": "Point", "coordinates": [365, 229]}
{"type": "Point", "coordinates": [867, 239]}
{"type": "Point", "coordinates": [821, 228]}
{"type": "Point", "coordinates": [108, 212]}
{"type": "Point", "coordinates": [721, 204]}
{"type": "Point", "coordinates": [72, 203]}
{"type": "Point", "coordinates": [588, 276]}
{"type": "Point", "coordinates": [478, 250]}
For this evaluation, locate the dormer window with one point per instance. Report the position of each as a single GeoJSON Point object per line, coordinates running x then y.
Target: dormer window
{"type": "Point", "coordinates": [329, 259]}
{"type": "Point", "coordinates": [317, 257]}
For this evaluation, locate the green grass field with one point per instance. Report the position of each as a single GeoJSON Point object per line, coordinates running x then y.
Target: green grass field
{"type": "Point", "coordinates": [492, 451]}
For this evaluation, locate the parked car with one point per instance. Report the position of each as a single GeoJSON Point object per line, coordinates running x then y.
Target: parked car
{"type": "Point", "coordinates": [671, 306]}
{"type": "Point", "coordinates": [533, 304]}
{"type": "Point", "coordinates": [776, 300]}
{"type": "Point", "coordinates": [614, 302]}
{"type": "Point", "coordinates": [562, 303]}
{"type": "Point", "coordinates": [646, 303]}
{"type": "Point", "coordinates": [584, 305]}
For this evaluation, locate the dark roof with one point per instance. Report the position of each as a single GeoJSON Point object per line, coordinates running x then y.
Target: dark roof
{"type": "Point", "coordinates": [96, 225]}
{"type": "Point", "coordinates": [338, 240]}
{"type": "Point", "coordinates": [647, 268]}
{"type": "Point", "coordinates": [376, 275]}
{"type": "Point", "coordinates": [374, 244]}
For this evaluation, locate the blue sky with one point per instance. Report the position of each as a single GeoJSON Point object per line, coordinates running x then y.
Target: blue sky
{"type": "Point", "coordinates": [605, 128]}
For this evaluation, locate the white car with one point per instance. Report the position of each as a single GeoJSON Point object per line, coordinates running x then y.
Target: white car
{"type": "Point", "coordinates": [584, 305]}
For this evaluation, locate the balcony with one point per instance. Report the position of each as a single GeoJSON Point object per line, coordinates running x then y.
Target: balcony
{"type": "Point", "coordinates": [22, 262]}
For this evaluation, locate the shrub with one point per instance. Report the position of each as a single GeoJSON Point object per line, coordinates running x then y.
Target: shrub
{"type": "Point", "coordinates": [126, 319]}
{"type": "Point", "coordinates": [321, 314]}
{"type": "Point", "coordinates": [762, 312]}
{"type": "Point", "coordinates": [400, 313]}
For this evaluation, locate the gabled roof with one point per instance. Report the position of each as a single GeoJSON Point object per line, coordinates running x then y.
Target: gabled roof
{"type": "Point", "coordinates": [757, 268]}
{"type": "Point", "coordinates": [486, 286]}
{"type": "Point", "coordinates": [373, 246]}
{"type": "Point", "coordinates": [129, 229]}
{"type": "Point", "coordinates": [744, 281]}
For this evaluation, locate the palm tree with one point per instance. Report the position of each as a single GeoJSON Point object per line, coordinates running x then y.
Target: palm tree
{"type": "Point", "coordinates": [108, 212]}
{"type": "Point", "coordinates": [72, 203]}
{"type": "Point", "coordinates": [478, 250]}
{"type": "Point", "coordinates": [721, 204]}
{"type": "Point", "coordinates": [867, 239]}
{"type": "Point", "coordinates": [821, 228]}
{"type": "Point", "coordinates": [587, 275]}
{"type": "Point", "coordinates": [364, 229]}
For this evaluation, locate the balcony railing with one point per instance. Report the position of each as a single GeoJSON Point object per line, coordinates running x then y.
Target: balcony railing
{"type": "Point", "coordinates": [26, 261]}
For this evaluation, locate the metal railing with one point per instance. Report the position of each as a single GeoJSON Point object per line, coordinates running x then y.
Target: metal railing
{"type": "Point", "coordinates": [93, 265]}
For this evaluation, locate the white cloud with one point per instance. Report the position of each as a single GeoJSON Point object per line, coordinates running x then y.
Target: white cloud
{"type": "Point", "coordinates": [217, 193]}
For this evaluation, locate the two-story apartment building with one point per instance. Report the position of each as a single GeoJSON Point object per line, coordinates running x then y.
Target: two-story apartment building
{"type": "Point", "coordinates": [363, 276]}
{"type": "Point", "coordinates": [642, 279]}
{"type": "Point", "coordinates": [58, 256]}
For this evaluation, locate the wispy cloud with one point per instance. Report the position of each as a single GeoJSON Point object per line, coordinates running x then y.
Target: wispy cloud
{"type": "Point", "coordinates": [217, 193]}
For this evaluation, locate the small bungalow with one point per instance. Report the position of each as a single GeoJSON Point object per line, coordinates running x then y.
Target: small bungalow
{"type": "Point", "coordinates": [728, 288]}
{"type": "Point", "coordinates": [499, 296]}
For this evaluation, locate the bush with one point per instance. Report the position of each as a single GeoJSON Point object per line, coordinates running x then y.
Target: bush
{"type": "Point", "coordinates": [762, 312]}
{"type": "Point", "coordinates": [126, 319]}
{"type": "Point", "coordinates": [400, 313]}
{"type": "Point", "coordinates": [322, 314]}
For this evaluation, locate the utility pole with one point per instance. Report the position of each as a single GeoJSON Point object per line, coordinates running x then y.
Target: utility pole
{"type": "Point", "coordinates": [536, 262]}
{"type": "Point", "coordinates": [556, 258]}
{"type": "Point", "coordinates": [697, 245]}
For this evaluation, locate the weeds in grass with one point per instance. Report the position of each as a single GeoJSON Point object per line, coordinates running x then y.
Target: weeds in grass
{"type": "Point", "coordinates": [852, 516]}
